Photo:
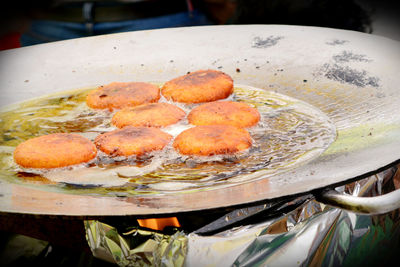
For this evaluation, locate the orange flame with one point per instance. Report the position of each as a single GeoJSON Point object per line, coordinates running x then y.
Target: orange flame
{"type": "Point", "coordinates": [159, 223]}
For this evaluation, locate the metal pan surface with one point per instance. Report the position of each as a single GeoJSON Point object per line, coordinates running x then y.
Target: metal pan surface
{"type": "Point", "coordinates": [351, 77]}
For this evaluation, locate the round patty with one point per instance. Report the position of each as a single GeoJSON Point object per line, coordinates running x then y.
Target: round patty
{"type": "Point", "coordinates": [54, 151]}
{"type": "Point", "coordinates": [148, 115]}
{"type": "Point", "coordinates": [130, 141]}
{"type": "Point", "coordinates": [198, 87]}
{"type": "Point", "coordinates": [211, 140]}
{"type": "Point", "coordinates": [118, 95]}
{"type": "Point", "coordinates": [226, 113]}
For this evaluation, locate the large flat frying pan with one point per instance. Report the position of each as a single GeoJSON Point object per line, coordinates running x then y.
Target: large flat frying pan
{"type": "Point", "coordinates": [351, 77]}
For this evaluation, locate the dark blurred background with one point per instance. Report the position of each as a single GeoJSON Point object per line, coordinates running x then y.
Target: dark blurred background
{"type": "Point", "coordinates": [26, 18]}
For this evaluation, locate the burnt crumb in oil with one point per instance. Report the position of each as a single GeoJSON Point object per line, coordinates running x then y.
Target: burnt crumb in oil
{"type": "Point", "coordinates": [115, 152]}
{"type": "Point", "coordinates": [237, 70]}
{"type": "Point", "coordinates": [8, 138]}
{"type": "Point", "coordinates": [304, 81]}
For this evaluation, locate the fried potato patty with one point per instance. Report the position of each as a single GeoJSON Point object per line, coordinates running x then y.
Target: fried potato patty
{"type": "Point", "coordinates": [148, 115]}
{"type": "Point", "coordinates": [208, 140]}
{"type": "Point", "coordinates": [118, 95]}
{"type": "Point", "coordinates": [130, 141]}
{"type": "Point", "coordinates": [198, 87]}
{"type": "Point", "coordinates": [224, 112]}
{"type": "Point", "coordinates": [54, 151]}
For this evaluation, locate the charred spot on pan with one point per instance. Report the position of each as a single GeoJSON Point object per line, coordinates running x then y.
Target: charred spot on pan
{"type": "Point", "coordinates": [345, 74]}
{"type": "Point", "coordinates": [336, 42]}
{"type": "Point", "coordinates": [348, 56]}
{"type": "Point", "coordinates": [259, 42]}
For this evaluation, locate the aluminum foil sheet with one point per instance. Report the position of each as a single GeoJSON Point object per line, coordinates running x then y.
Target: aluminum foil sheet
{"type": "Point", "coordinates": [136, 247]}
{"type": "Point", "coordinates": [312, 234]}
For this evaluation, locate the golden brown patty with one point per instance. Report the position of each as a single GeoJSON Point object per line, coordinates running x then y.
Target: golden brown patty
{"type": "Point", "coordinates": [132, 141]}
{"type": "Point", "coordinates": [198, 87]}
{"type": "Point", "coordinates": [54, 151]}
{"type": "Point", "coordinates": [118, 95]}
{"type": "Point", "coordinates": [210, 140]}
{"type": "Point", "coordinates": [148, 115]}
{"type": "Point", "coordinates": [224, 112]}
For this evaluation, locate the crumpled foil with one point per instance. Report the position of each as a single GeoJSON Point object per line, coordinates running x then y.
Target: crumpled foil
{"type": "Point", "coordinates": [313, 234]}
{"type": "Point", "coordinates": [137, 247]}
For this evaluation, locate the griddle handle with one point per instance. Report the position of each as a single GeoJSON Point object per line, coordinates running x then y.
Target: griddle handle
{"type": "Point", "coordinates": [363, 205]}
